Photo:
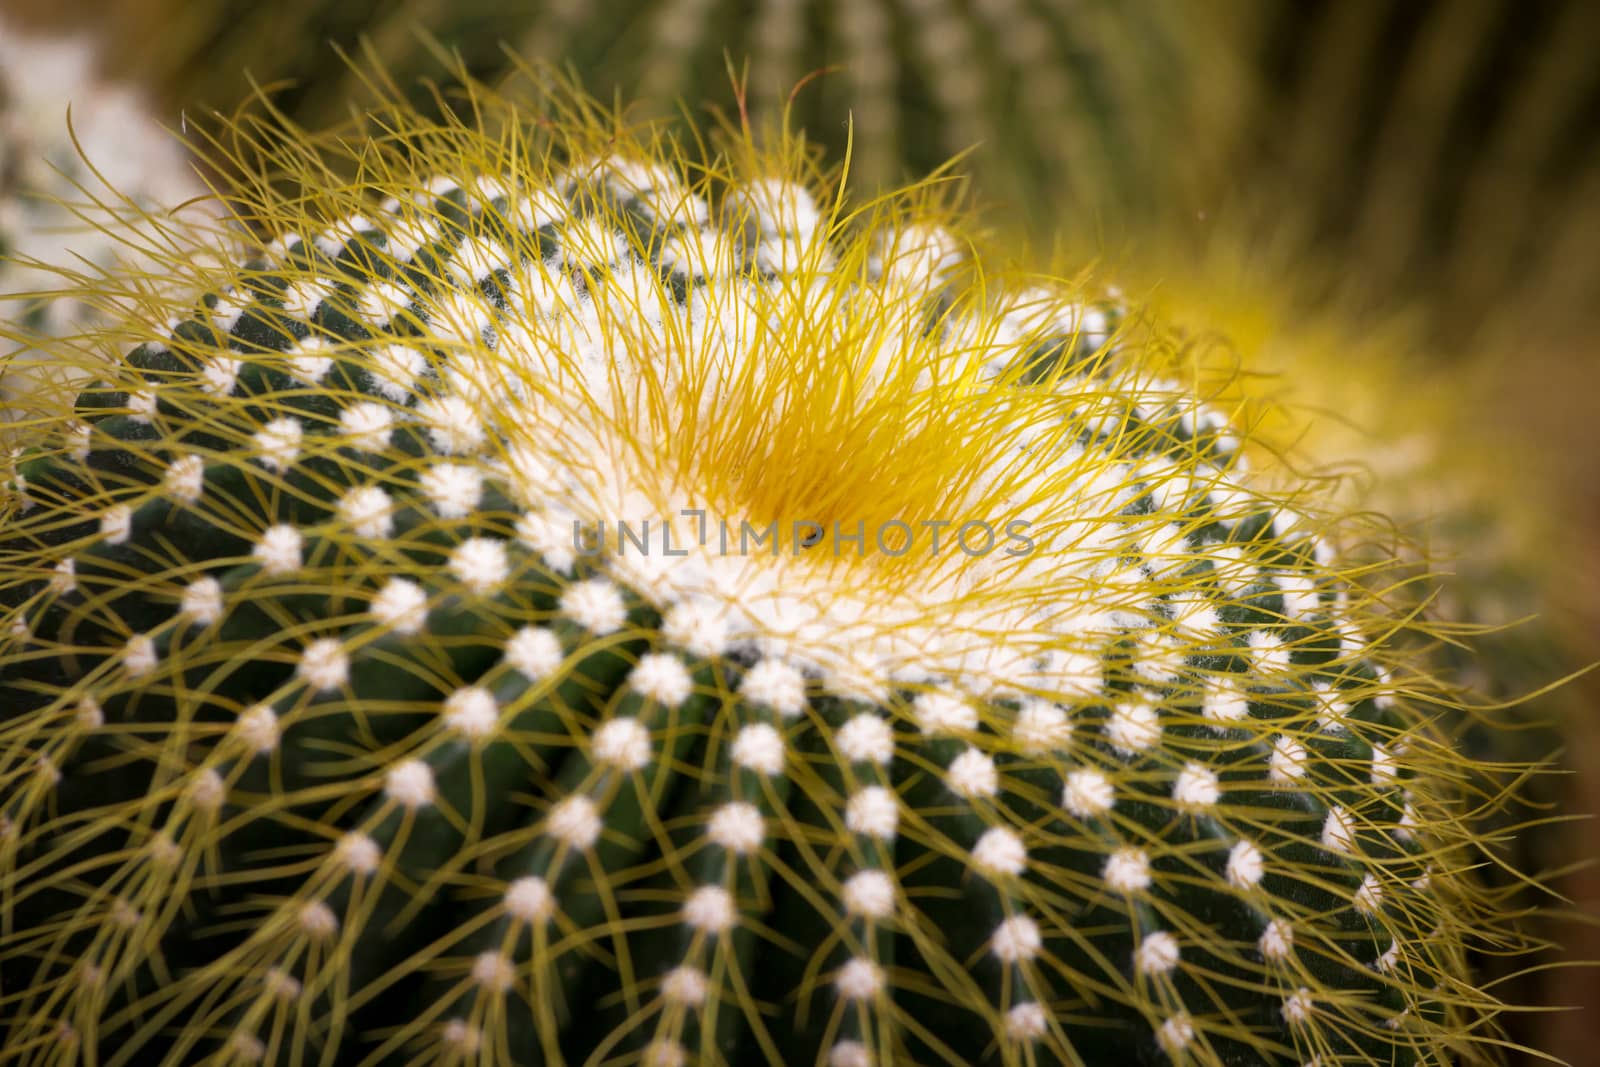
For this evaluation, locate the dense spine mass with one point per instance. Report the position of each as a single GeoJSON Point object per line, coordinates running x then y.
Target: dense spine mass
{"type": "Point", "coordinates": [325, 742]}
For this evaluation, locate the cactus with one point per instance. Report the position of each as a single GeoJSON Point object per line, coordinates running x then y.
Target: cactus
{"type": "Point", "coordinates": [1435, 157]}
{"type": "Point", "coordinates": [1063, 105]}
{"type": "Point", "coordinates": [65, 193]}
{"type": "Point", "coordinates": [505, 620]}
{"type": "Point", "coordinates": [1432, 154]}
{"type": "Point", "coordinates": [1439, 151]}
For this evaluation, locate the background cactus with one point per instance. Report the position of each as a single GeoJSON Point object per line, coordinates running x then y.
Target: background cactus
{"type": "Point", "coordinates": [64, 192]}
{"type": "Point", "coordinates": [1076, 106]}
{"type": "Point", "coordinates": [1436, 158]}
{"type": "Point", "coordinates": [328, 742]}
{"type": "Point", "coordinates": [1443, 152]}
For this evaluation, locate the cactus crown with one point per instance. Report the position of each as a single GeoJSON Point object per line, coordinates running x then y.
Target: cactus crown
{"type": "Point", "coordinates": [326, 741]}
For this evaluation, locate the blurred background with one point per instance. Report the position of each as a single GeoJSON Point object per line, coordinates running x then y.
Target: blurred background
{"type": "Point", "coordinates": [1390, 209]}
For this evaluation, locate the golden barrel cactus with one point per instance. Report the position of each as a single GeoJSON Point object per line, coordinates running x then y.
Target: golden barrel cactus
{"type": "Point", "coordinates": [544, 599]}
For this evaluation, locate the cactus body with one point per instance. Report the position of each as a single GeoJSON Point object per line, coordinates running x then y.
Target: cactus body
{"type": "Point", "coordinates": [332, 735]}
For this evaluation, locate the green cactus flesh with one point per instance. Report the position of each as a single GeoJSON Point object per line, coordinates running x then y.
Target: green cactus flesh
{"type": "Point", "coordinates": [322, 743]}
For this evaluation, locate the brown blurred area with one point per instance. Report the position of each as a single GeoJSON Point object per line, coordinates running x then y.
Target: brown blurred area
{"type": "Point", "coordinates": [1558, 411]}
{"type": "Point", "coordinates": [1551, 405]}
{"type": "Point", "coordinates": [1512, 276]}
